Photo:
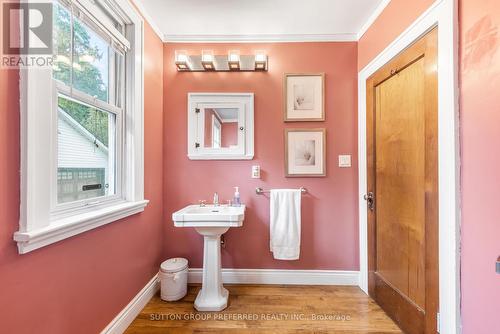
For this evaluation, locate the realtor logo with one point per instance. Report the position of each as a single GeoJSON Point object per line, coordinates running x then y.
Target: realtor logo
{"type": "Point", "coordinates": [27, 28]}
{"type": "Point", "coordinates": [27, 34]}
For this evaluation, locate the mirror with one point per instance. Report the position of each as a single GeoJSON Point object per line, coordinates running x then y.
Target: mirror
{"type": "Point", "coordinates": [220, 126]}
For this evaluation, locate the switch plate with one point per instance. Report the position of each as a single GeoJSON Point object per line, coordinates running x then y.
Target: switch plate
{"type": "Point", "coordinates": [345, 161]}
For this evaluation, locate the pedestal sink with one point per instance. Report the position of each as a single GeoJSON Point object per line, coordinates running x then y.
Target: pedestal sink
{"type": "Point", "coordinates": [211, 222]}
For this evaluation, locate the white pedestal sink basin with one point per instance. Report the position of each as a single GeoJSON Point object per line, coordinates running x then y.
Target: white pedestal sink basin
{"type": "Point", "coordinates": [211, 222]}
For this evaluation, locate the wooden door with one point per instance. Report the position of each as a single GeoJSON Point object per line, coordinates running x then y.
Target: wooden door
{"type": "Point", "coordinates": [402, 171]}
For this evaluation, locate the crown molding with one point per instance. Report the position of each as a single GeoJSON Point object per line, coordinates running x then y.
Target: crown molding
{"type": "Point", "coordinates": [148, 18]}
{"type": "Point", "coordinates": [376, 13]}
{"type": "Point", "coordinates": [258, 38]}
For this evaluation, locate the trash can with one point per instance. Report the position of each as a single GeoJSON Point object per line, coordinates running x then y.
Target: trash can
{"type": "Point", "coordinates": [173, 279]}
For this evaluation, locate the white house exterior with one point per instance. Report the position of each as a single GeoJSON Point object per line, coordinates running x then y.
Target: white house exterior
{"type": "Point", "coordinates": [82, 161]}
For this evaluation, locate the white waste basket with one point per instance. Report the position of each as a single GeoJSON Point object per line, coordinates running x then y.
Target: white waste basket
{"type": "Point", "coordinates": [173, 277]}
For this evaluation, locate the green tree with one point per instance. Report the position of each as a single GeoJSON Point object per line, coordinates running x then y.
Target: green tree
{"type": "Point", "coordinates": [85, 76]}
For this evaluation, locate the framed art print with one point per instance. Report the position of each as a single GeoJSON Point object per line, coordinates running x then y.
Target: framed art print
{"type": "Point", "coordinates": [304, 97]}
{"type": "Point", "coordinates": [305, 152]}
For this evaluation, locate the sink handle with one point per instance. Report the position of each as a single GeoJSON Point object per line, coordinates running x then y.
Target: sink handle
{"type": "Point", "coordinates": [202, 202]}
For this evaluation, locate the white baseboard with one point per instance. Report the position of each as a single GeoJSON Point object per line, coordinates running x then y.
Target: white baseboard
{"type": "Point", "coordinates": [132, 310]}
{"type": "Point", "coordinates": [280, 276]}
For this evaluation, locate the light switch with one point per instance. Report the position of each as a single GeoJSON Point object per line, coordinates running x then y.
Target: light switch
{"type": "Point", "coordinates": [345, 161]}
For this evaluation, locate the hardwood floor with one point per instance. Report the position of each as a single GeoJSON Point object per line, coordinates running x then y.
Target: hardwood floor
{"type": "Point", "coordinates": [269, 309]}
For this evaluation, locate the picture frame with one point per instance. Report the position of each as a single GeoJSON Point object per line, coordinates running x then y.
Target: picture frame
{"type": "Point", "coordinates": [305, 152]}
{"type": "Point", "coordinates": [304, 97]}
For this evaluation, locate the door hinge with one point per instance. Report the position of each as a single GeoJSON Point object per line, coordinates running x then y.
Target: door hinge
{"type": "Point", "coordinates": [438, 323]}
{"type": "Point", "coordinates": [196, 145]}
{"type": "Point", "coordinates": [197, 110]}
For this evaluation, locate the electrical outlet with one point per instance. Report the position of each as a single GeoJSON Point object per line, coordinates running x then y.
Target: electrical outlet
{"type": "Point", "coordinates": [255, 172]}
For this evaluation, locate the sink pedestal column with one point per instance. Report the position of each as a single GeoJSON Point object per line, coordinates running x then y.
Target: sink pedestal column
{"type": "Point", "coordinates": [212, 296]}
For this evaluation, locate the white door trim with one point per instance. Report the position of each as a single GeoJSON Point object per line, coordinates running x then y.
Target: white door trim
{"type": "Point", "coordinates": [443, 13]}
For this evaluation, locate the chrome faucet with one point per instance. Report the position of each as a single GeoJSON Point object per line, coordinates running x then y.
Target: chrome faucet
{"type": "Point", "coordinates": [216, 199]}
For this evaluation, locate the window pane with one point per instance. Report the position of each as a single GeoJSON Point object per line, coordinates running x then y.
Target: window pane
{"type": "Point", "coordinates": [62, 44]}
{"type": "Point", "coordinates": [90, 62]}
{"type": "Point", "coordinates": [86, 158]}
{"type": "Point", "coordinates": [85, 58]}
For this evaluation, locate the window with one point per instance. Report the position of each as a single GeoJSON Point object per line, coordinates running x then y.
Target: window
{"type": "Point", "coordinates": [82, 124]}
{"type": "Point", "coordinates": [88, 73]}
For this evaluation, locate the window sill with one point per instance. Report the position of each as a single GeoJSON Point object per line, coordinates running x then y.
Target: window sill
{"type": "Point", "coordinates": [68, 227]}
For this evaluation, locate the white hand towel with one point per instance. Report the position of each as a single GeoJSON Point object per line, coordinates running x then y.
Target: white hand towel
{"type": "Point", "coordinates": [285, 223]}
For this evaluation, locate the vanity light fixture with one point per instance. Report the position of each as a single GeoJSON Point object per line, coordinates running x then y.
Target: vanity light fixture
{"type": "Point", "coordinates": [182, 60]}
{"type": "Point", "coordinates": [260, 61]}
{"type": "Point", "coordinates": [233, 60]}
{"type": "Point", "coordinates": [207, 60]}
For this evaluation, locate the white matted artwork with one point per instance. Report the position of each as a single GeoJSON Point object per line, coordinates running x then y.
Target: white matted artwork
{"type": "Point", "coordinates": [305, 152]}
{"type": "Point", "coordinates": [303, 98]}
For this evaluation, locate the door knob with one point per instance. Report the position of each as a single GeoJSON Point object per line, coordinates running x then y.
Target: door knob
{"type": "Point", "coordinates": [370, 200]}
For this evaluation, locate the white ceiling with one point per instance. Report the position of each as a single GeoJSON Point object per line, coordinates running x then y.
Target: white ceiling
{"type": "Point", "coordinates": [227, 113]}
{"type": "Point", "coordinates": [260, 20]}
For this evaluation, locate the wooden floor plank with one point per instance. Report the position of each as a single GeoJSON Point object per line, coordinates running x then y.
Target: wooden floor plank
{"type": "Point", "coordinates": [269, 309]}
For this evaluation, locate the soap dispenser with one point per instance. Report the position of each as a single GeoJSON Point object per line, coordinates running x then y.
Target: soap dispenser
{"type": "Point", "coordinates": [236, 199]}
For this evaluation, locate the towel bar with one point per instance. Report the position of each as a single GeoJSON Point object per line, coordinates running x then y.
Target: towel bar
{"type": "Point", "coordinates": [260, 191]}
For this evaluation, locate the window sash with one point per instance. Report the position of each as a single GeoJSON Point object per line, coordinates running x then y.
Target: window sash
{"type": "Point", "coordinates": [116, 90]}
{"type": "Point", "coordinates": [99, 22]}
{"type": "Point", "coordinates": [84, 98]}
{"type": "Point", "coordinates": [117, 64]}
{"type": "Point", "coordinates": [62, 210]}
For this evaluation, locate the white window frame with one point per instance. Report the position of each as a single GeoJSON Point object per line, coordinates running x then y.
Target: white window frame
{"type": "Point", "coordinates": [38, 226]}
{"type": "Point", "coordinates": [216, 125]}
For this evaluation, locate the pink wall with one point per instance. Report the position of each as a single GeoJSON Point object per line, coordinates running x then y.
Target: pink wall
{"type": "Point", "coordinates": [480, 137]}
{"type": "Point", "coordinates": [395, 18]}
{"type": "Point", "coordinates": [329, 237]}
{"type": "Point", "coordinates": [229, 134]}
{"type": "Point", "coordinates": [479, 22]}
{"type": "Point", "coordinates": [80, 284]}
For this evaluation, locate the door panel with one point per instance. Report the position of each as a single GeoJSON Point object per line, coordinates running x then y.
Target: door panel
{"type": "Point", "coordinates": [402, 174]}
